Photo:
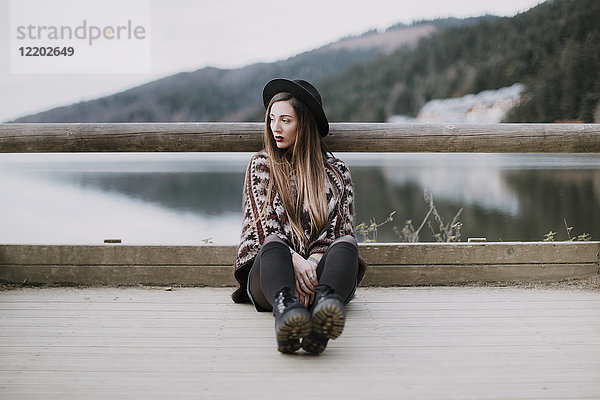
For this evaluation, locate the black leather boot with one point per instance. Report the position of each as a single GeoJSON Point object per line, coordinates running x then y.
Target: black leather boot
{"type": "Point", "coordinates": [328, 318]}
{"type": "Point", "coordinates": [292, 321]}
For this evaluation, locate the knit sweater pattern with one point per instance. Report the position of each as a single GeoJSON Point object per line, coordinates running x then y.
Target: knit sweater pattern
{"type": "Point", "coordinates": [258, 225]}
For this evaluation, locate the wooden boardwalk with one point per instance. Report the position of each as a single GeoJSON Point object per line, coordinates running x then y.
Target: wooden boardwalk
{"type": "Point", "coordinates": [417, 343]}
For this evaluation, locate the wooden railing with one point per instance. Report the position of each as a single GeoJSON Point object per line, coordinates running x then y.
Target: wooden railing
{"type": "Point", "coordinates": [343, 137]}
{"type": "Point", "coordinates": [389, 263]}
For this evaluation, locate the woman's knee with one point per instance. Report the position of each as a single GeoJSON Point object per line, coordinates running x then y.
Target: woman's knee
{"type": "Point", "coordinates": [346, 239]}
{"type": "Point", "coordinates": [273, 244]}
{"type": "Point", "coordinates": [273, 238]}
{"type": "Point", "coordinates": [344, 243]}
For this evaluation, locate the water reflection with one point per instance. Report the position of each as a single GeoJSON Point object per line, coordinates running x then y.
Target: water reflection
{"type": "Point", "coordinates": [207, 193]}
{"type": "Point", "coordinates": [505, 197]}
{"type": "Point", "coordinates": [188, 198]}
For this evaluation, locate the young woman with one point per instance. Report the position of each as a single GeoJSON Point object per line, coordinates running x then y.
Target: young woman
{"type": "Point", "coordinates": [298, 255]}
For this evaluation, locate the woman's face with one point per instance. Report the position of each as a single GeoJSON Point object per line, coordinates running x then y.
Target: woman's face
{"type": "Point", "coordinates": [283, 124]}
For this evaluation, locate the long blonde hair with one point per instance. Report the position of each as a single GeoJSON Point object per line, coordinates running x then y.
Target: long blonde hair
{"type": "Point", "coordinates": [305, 160]}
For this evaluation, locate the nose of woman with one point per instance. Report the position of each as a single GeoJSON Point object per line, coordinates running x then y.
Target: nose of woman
{"type": "Point", "coordinates": [275, 126]}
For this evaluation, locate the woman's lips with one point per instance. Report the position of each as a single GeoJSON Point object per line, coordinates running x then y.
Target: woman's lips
{"type": "Point", "coordinates": [279, 138]}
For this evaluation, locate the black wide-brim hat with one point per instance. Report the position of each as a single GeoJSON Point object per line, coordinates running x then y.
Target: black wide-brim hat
{"type": "Point", "coordinates": [303, 91]}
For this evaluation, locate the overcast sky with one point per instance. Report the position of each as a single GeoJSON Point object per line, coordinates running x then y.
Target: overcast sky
{"type": "Point", "coordinates": [185, 35]}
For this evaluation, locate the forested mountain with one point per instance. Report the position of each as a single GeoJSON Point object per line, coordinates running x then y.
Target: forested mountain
{"type": "Point", "coordinates": [212, 94]}
{"type": "Point", "coordinates": [565, 83]}
{"type": "Point", "coordinates": [553, 49]}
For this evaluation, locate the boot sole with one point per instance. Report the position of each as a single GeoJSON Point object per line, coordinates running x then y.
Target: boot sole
{"type": "Point", "coordinates": [327, 323]}
{"type": "Point", "coordinates": [295, 324]}
{"type": "Point", "coordinates": [329, 318]}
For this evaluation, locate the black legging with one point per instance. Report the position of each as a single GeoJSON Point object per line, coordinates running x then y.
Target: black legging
{"type": "Point", "coordinates": [273, 270]}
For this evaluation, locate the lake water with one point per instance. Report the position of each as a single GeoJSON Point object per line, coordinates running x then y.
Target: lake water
{"type": "Point", "coordinates": [195, 198]}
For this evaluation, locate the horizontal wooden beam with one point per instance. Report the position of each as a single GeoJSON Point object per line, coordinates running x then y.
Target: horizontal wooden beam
{"type": "Point", "coordinates": [390, 264]}
{"type": "Point", "coordinates": [496, 253]}
{"type": "Point", "coordinates": [219, 276]}
{"type": "Point", "coordinates": [374, 254]}
{"type": "Point", "coordinates": [426, 275]}
{"type": "Point", "coordinates": [344, 137]}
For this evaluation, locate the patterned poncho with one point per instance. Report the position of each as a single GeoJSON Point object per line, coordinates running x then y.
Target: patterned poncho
{"type": "Point", "coordinates": [256, 226]}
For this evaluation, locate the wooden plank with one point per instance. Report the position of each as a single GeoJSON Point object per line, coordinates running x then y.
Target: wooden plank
{"type": "Point", "coordinates": [442, 343]}
{"type": "Point", "coordinates": [587, 327]}
{"type": "Point", "coordinates": [221, 390]}
{"type": "Point", "coordinates": [480, 253]}
{"type": "Point", "coordinates": [351, 137]}
{"type": "Point", "coordinates": [158, 355]}
{"type": "Point", "coordinates": [216, 385]}
{"type": "Point", "coordinates": [115, 275]}
{"type": "Point", "coordinates": [206, 305]}
{"type": "Point", "coordinates": [414, 275]}
{"type": "Point", "coordinates": [545, 353]}
{"type": "Point", "coordinates": [374, 254]}
{"type": "Point", "coordinates": [110, 254]}
{"type": "Point", "coordinates": [196, 315]}
{"type": "Point", "coordinates": [377, 275]}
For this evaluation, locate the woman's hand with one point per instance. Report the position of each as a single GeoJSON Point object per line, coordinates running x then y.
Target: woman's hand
{"type": "Point", "coordinates": [305, 272]}
{"type": "Point", "coordinates": [305, 299]}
